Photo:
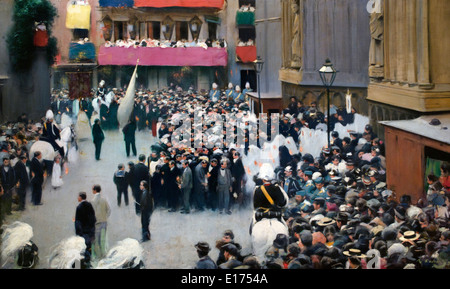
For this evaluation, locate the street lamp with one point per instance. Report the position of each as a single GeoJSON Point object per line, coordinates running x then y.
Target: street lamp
{"type": "Point", "coordinates": [327, 75]}
{"type": "Point", "coordinates": [259, 63]}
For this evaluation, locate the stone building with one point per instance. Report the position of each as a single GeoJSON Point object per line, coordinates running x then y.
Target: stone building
{"type": "Point", "coordinates": [412, 77]}
{"type": "Point", "coordinates": [314, 30]}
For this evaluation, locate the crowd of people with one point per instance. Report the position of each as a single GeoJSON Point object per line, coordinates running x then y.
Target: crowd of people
{"type": "Point", "coordinates": [338, 210]}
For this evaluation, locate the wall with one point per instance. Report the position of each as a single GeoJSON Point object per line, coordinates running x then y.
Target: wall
{"type": "Point", "coordinates": [268, 42]}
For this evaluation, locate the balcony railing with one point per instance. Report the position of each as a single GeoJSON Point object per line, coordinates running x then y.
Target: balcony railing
{"type": "Point", "coordinates": [218, 4]}
{"type": "Point", "coordinates": [158, 56]}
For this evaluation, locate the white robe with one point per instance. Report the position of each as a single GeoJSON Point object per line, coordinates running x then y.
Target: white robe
{"type": "Point", "coordinates": [56, 175]}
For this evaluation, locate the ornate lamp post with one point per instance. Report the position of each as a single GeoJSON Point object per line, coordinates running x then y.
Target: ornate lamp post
{"type": "Point", "coordinates": [328, 74]}
{"type": "Point", "coordinates": [259, 64]}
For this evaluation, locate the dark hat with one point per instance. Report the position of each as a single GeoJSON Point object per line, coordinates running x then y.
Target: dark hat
{"type": "Point", "coordinates": [435, 121]}
{"type": "Point", "coordinates": [308, 158]}
{"type": "Point", "coordinates": [320, 201]}
{"type": "Point", "coordinates": [400, 212]}
{"type": "Point", "coordinates": [229, 233]}
{"type": "Point", "coordinates": [281, 241]}
{"type": "Point", "coordinates": [342, 216]}
{"type": "Point", "coordinates": [230, 248]}
{"type": "Point", "coordinates": [203, 247]}
{"type": "Point", "coordinates": [306, 237]}
{"type": "Point", "coordinates": [349, 162]}
{"type": "Point", "coordinates": [332, 189]}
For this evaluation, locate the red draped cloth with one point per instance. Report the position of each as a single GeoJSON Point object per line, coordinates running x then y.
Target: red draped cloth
{"type": "Point", "coordinates": [79, 84]}
{"type": "Point", "coordinates": [246, 54]}
{"type": "Point", "coordinates": [179, 3]}
{"type": "Point", "coordinates": [157, 56]}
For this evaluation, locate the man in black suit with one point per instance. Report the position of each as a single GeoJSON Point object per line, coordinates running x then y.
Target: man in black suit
{"type": "Point", "coordinates": [85, 220]}
{"type": "Point", "coordinates": [98, 137]}
{"type": "Point", "coordinates": [23, 179]}
{"type": "Point", "coordinates": [8, 181]}
{"type": "Point", "coordinates": [129, 131]}
{"type": "Point", "coordinates": [141, 173]}
{"type": "Point", "coordinates": [37, 178]}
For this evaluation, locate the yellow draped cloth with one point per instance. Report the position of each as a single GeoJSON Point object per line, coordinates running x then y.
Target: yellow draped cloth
{"type": "Point", "coordinates": [78, 16]}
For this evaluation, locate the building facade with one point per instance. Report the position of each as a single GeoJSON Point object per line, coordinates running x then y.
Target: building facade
{"type": "Point", "coordinates": [225, 32]}
{"type": "Point", "coordinates": [316, 30]}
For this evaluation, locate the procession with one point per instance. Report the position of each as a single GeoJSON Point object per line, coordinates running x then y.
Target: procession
{"type": "Point", "coordinates": [302, 204]}
{"type": "Point", "coordinates": [224, 134]}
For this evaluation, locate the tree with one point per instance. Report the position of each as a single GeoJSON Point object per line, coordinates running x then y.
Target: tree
{"type": "Point", "coordinates": [26, 14]}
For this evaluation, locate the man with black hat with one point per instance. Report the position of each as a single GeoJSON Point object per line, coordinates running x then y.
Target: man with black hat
{"type": "Point", "coordinates": [205, 262]}
{"type": "Point", "coordinates": [227, 238]}
{"type": "Point", "coordinates": [230, 253]}
{"type": "Point", "coordinates": [399, 216]}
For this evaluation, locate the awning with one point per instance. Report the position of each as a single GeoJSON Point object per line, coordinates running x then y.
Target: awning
{"type": "Point", "coordinates": [157, 56]}
{"type": "Point", "coordinates": [218, 4]}
{"type": "Point", "coordinates": [116, 3]}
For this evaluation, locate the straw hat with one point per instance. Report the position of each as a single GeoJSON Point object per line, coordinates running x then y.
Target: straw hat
{"type": "Point", "coordinates": [409, 236]}
{"type": "Point", "coordinates": [354, 253]}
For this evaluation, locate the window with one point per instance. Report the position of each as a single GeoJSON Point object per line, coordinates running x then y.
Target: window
{"type": "Point", "coordinates": [154, 30]}
{"type": "Point", "coordinates": [120, 29]}
{"type": "Point", "coordinates": [247, 2]}
{"type": "Point", "coordinates": [246, 34]}
{"type": "Point", "coordinates": [212, 31]}
{"type": "Point", "coordinates": [182, 32]}
{"type": "Point", "coordinates": [80, 34]}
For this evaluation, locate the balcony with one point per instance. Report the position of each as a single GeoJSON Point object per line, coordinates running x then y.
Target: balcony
{"type": "Point", "coordinates": [217, 4]}
{"type": "Point", "coordinates": [81, 53]}
{"type": "Point", "coordinates": [158, 56]}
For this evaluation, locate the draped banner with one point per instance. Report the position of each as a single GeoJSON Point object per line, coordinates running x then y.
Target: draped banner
{"type": "Point", "coordinates": [157, 56]}
{"type": "Point", "coordinates": [246, 54]}
{"type": "Point", "coordinates": [79, 84]}
{"type": "Point", "coordinates": [245, 18]}
{"type": "Point", "coordinates": [127, 103]}
{"type": "Point", "coordinates": [116, 3]}
{"type": "Point", "coordinates": [179, 3]}
{"type": "Point", "coordinates": [78, 16]}
{"type": "Point", "coordinates": [82, 52]}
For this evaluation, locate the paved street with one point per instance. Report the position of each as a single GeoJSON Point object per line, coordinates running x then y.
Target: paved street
{"type": "Point", "coordinates": [173, 234]}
